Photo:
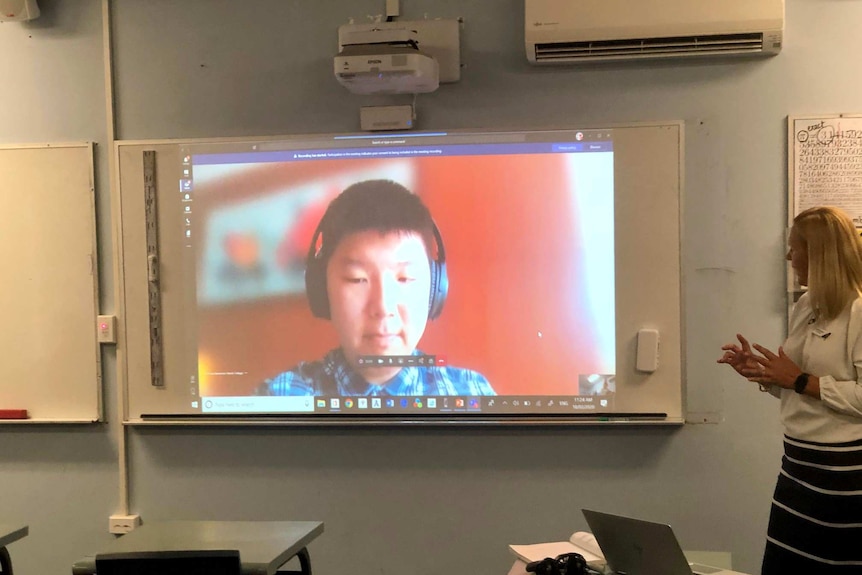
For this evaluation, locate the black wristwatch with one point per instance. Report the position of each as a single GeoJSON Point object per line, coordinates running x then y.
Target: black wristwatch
{"type": "Point", "coordinates": [801, 382]}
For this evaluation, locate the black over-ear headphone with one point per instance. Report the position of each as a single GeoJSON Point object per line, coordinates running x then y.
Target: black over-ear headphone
{"type": "Point", "coordinates": [565, 564]}
{"type": "Point", "coordinates": [315, 277]}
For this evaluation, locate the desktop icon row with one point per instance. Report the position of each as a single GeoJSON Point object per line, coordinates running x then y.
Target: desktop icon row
{"type": "Point", "coordinates": [337, 403]}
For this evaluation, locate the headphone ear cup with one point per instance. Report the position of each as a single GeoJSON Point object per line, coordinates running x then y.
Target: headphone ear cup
{"type": "Point", "coordinates": [315, 287]}
{"type": "Point", "coordinates": [571, 564]}
{"type": "Point", "coordinates": [439, 289]}
{"type": "Point", "coordinates": [439, 277]}
{"type": "Point", "coordinates": [315, 277]}
{"type": "Point", "coordinates": [546, 566]}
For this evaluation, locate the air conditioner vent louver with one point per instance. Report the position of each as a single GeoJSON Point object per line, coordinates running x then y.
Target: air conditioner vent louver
{"type": "Point", "coordinates": [673, 47]}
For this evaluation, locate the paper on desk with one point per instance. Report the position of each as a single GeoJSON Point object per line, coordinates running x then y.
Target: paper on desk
{"type": "Point", "coordinates": [580, 542]}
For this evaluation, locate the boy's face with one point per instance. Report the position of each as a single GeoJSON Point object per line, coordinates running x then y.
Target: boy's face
{"type": "Point", "coordinates": [379, 286]}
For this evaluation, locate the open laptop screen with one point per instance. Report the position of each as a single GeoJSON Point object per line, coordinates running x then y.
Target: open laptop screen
{"type": "Point", "coordinates": [638, 547]}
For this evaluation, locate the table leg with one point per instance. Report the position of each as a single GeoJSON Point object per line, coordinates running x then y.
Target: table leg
{"type": "Point", "coordinates": [304, 561]}
{"type": "Point", "coordinates": [6, 562]}
{"type": "Point", "coordinates": [304, 564]}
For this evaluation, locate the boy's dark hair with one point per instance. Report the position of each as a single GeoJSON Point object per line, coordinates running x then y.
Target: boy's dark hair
{"type": "Point", "coordinates": [381, 205]}
{"type": "Point", "coordinates": [386, 207]}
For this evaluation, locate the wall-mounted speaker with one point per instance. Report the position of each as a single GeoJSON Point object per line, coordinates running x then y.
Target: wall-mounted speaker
{"type": "Point", "coordinates": [18, 10]}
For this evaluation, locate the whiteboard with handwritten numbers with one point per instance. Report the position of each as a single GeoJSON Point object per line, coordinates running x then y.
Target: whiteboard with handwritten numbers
{"type": "Point", "coordinates": [825, 163]}
{"type": "Point", "coordinates": [824, 168]}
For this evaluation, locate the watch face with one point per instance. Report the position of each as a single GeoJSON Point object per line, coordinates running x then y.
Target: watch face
{"type": "Point", "coordinates": [800, 383]}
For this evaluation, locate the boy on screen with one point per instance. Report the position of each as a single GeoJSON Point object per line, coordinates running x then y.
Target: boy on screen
{"type": "Point", "coordinates": [373, 272]}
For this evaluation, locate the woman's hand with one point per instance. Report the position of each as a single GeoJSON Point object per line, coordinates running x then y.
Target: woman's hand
{"type": "Point", "coordinates": [768, 368]}
{"type": "Point", "coordinates": [776, 369]}
{"type": "Point", "coordinates": [741, 358]}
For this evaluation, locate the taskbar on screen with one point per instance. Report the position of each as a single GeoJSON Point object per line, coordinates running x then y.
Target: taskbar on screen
{"type": "Point", "coordinates": [413, 405]}
{"type": "Point", "coordinates": [456, 404]}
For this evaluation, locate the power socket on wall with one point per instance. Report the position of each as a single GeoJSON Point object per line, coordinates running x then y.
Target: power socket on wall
{"type": "Point", "coordinates": [121, 524]}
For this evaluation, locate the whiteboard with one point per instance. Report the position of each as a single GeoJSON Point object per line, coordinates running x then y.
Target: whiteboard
{"type": "Point", "coordinates": [824, 168]}
{"type": "Point", "coordinates": [825, 164]}
{"type": "Point", "coordinates": [49, 293]}
{"type": "Point", "coordinates": [648, 180]}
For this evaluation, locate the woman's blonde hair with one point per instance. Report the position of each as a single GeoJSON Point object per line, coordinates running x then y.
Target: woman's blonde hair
{"type": "Point", "coordinates": [834, 258]}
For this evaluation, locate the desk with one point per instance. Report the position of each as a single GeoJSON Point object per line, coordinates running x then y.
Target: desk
{"type": "Point", "coordinates": [8, 534]}
{"type": "Point", "coordinates": [263, 546]}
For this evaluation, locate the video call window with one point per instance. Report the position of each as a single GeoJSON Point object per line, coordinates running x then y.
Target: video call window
{"type": "Point", "coordinates": [525, 230]}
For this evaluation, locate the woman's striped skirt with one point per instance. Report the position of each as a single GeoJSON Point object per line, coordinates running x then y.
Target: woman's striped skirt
{"type": "Point", "coordinates": [815, 525]}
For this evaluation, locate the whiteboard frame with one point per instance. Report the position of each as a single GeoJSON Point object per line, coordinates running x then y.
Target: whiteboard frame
{"type": "Point", "coordinates": [139, 397]}
{"type": "Point", "coordinates": [91, 410]}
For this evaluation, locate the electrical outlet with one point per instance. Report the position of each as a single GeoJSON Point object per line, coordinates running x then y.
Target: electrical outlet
{"type": "Point", "coordinates": [107, 328]}
{"type": "Point", "coordinates": [120, 524]}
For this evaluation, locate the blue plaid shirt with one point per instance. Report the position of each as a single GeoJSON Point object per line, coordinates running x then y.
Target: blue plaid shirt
{"type": "Point", "coordinates": [333, 376]}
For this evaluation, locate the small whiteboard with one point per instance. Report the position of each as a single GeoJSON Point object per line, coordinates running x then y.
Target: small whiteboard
{"type": "Point", "coordinates": [825, 163]}
{"type": "Point", "coordinates": [49, 292]}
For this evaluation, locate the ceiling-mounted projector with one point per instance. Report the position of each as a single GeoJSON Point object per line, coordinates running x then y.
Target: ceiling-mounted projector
{"type": "Point", "coordinates": [385, 62]}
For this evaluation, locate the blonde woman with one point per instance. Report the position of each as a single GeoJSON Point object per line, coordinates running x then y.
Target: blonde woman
{"type": "Point", "coordinates": [815, 524]}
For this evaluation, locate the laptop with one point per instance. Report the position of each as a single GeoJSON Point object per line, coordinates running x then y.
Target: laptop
{"type": "Point", "coordinates": [638, 547]}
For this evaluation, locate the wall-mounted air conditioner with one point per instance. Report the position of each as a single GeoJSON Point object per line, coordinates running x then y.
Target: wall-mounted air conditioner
{"type": "Point", "coordinates": [570, 31]}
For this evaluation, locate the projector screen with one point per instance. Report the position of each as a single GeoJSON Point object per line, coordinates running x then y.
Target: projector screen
{"type": "Point", "coordinates": [418, 277]}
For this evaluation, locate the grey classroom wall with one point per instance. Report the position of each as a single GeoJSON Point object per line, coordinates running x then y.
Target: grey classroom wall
{"type": "Point", "coordinates": [62, 480]}
{"type": "Point", "coordinates": [427, 500]}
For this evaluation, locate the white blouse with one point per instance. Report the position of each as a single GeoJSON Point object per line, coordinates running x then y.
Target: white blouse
{"type": "Point", "coordinates": [832, 351]}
